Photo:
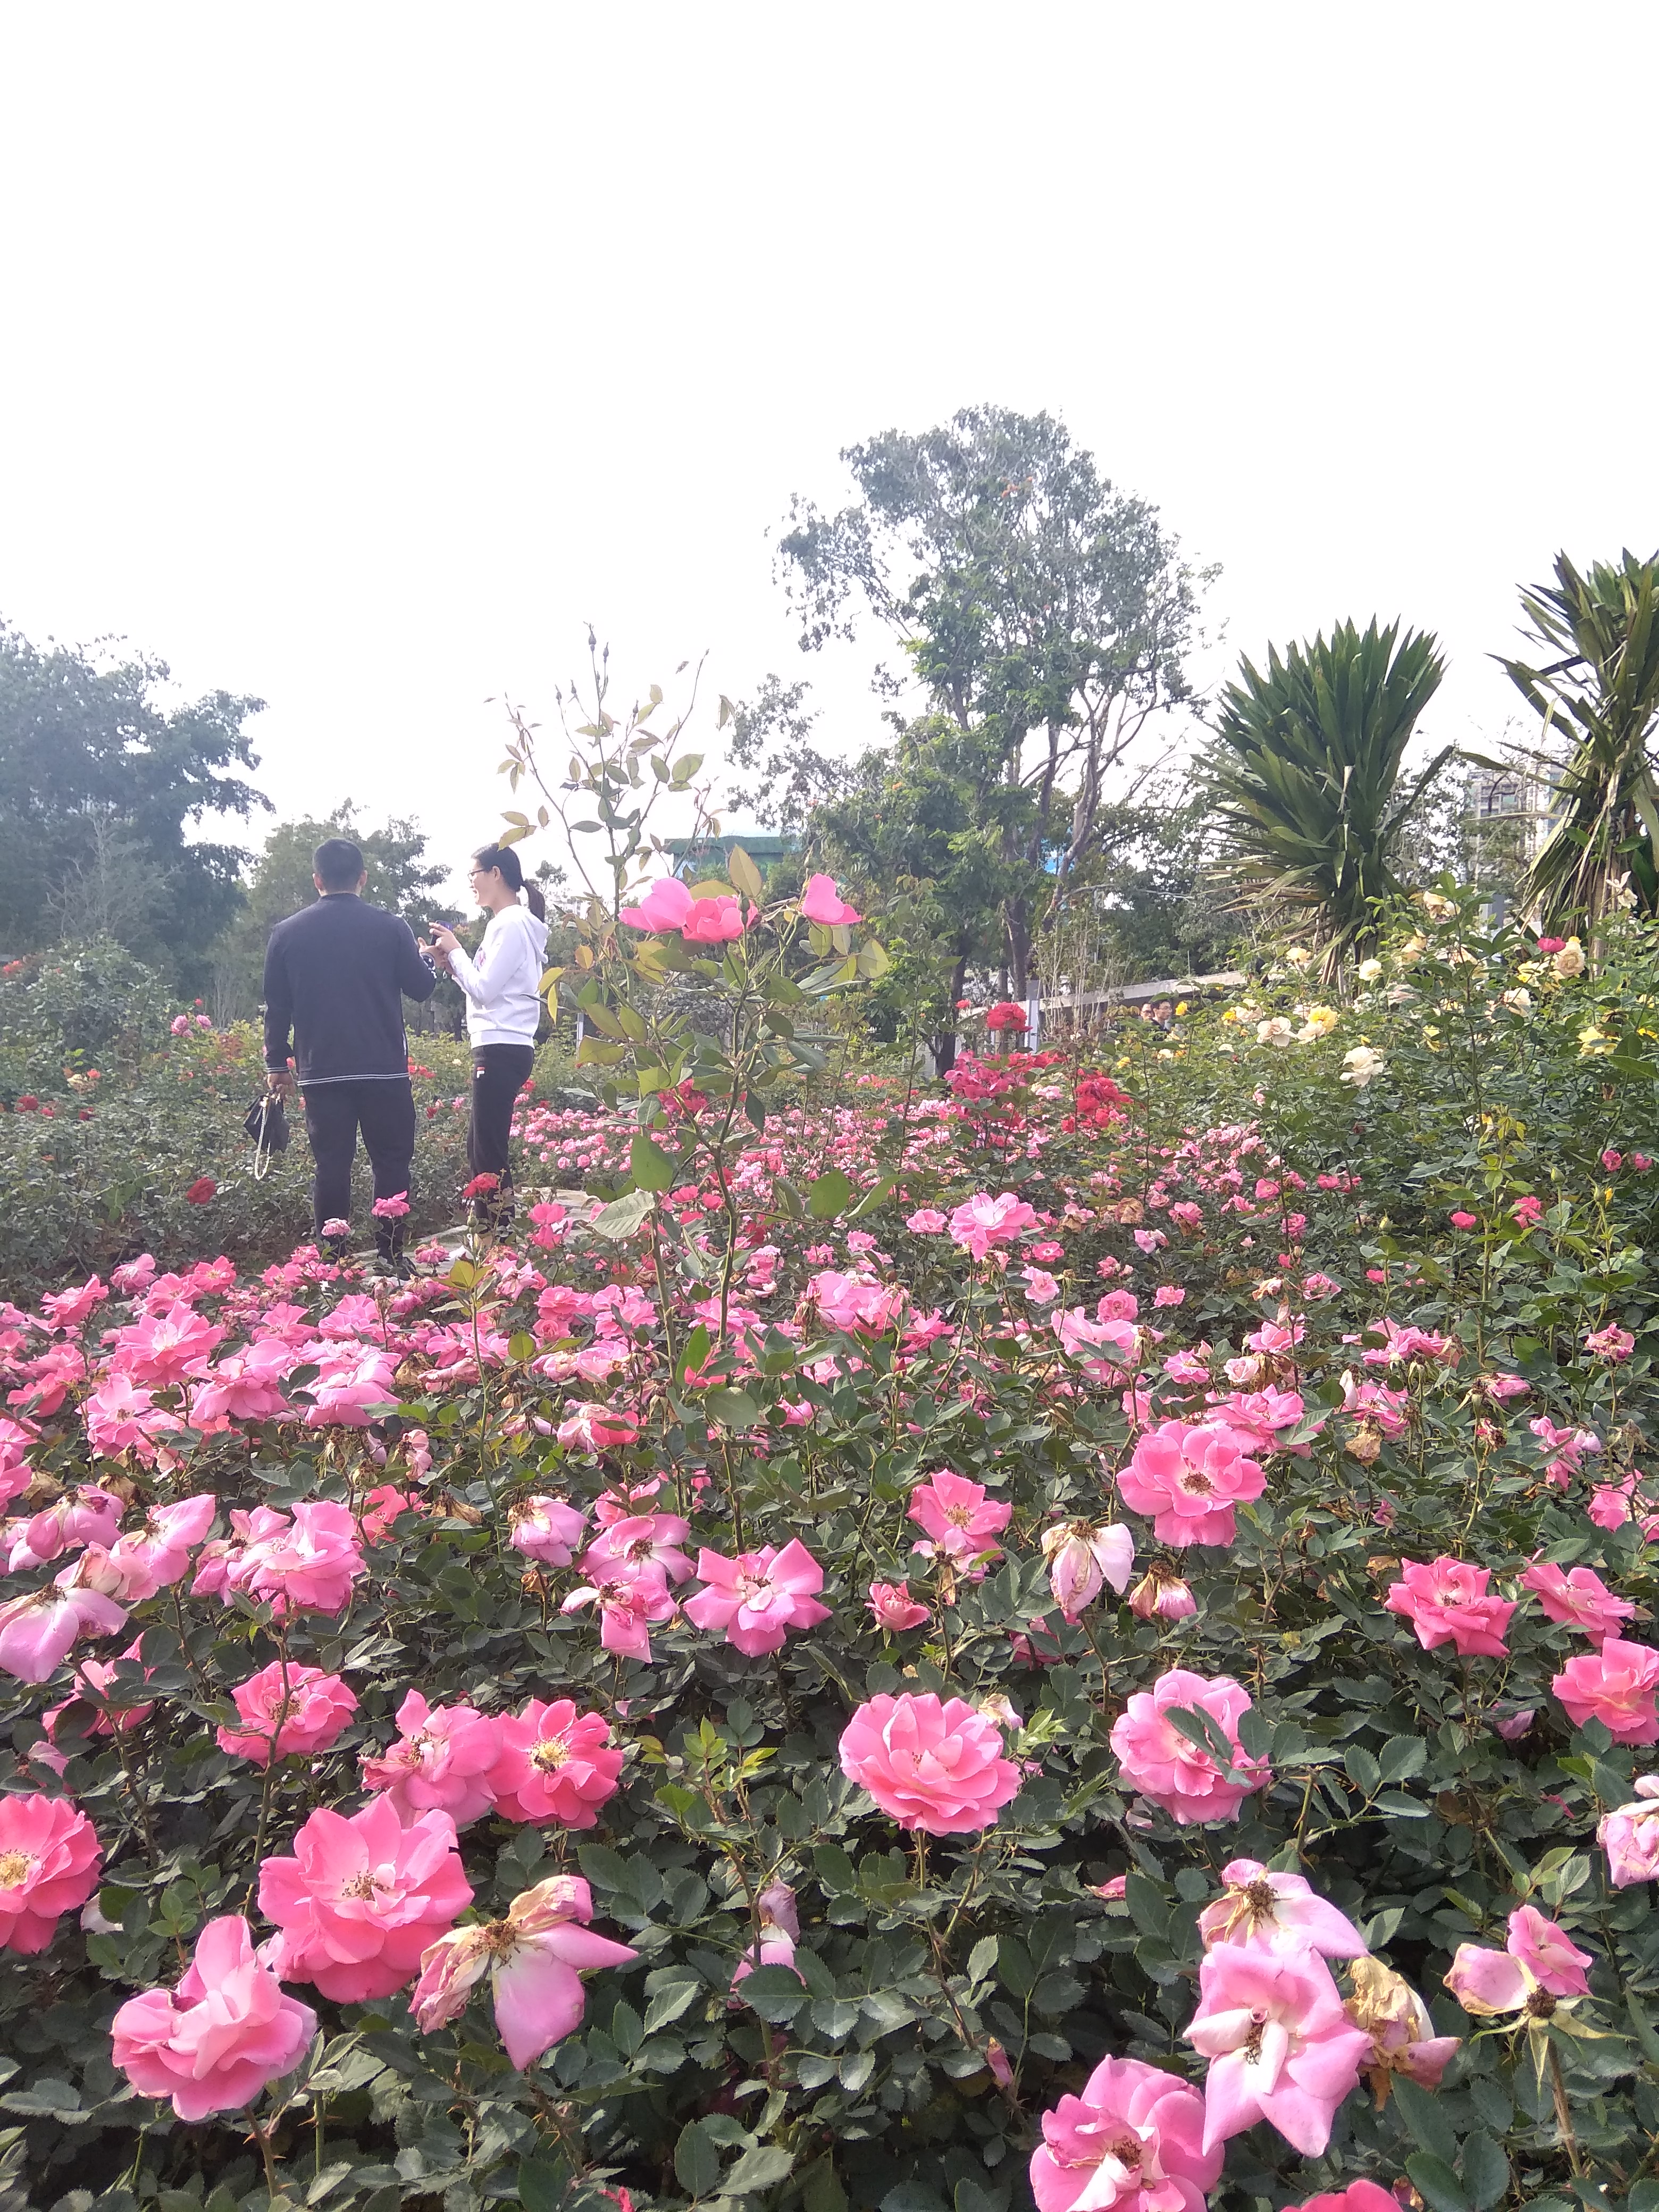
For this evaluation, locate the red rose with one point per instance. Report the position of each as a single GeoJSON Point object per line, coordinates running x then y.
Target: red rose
{"type": "Point", "coordinates": [201, 1191]}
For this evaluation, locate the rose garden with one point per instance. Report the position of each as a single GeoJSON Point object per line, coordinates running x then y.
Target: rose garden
{"type": "Point", "coordinates": [1077, 1632]}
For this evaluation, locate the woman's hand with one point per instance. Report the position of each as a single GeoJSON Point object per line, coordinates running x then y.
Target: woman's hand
{"type": "Point", "coordinates": [444, 941]}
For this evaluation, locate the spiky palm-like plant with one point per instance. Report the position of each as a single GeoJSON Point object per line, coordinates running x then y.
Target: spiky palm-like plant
{"type": "Point", "coordinates": [1599, 685]}
{"type": "Point", "coordinates": [1304, 775]}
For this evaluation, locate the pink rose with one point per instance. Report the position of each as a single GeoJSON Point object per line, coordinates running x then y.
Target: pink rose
{"type": "Point", "coordinates": [1549, 1955]}
{"type": "Point", "coordinates": [984, 1221]}
{"type": "Point", "coordinates": [1133, 2142]}
{"type": "Point", "coordinates": [37, 1629]}
{"type": "Point", "coordinates": [892, 1606]}
{"type": "Point", "coordinates": [1357, 2197]}
{"type": "Point", "coordinates": [555, 1765]}
{"type": "Point", "coordinates": [631, 1597]}
{"type": "Point", "coordinates": [441, 1762]}
{"type": "Point", "coordinates": [928, 1766]}
{"type": "Point", "coordinates": [302, 1709]}
{"type": "Point", "coordinates": [309, 1562]}
{"type": "Point", "coordinates": [360, 1899]}
{"type": "Point", "coordinates": [1161, 1595]}
{"type": "Point", "coordinates": [1171, 1771]}
{"type": "Point", "coordinates": [49, 1862]}
{"type": "Point", "coordinates": [759, 1594]}
{"type": "Point", "coordinates": [1280, 2047]}
{"type": "Point", "coordinates": [1538, 1956]}
{"type": "Point", "coordinates": [1082, 1558]}
{"type": "Point", "coordinates": [1615, 1685]}
{"type": "Point", "coordinates": [1579, 1597]}
{"type": "Point", "coordinates": [1189, 1478]}
{"type": "Point", "coordinates": [821, 903]}
{"type": "Point", "coordinates": [213, 2043]}
{"type": "Point", "coordinates": [1280, 1911]}
{"type": "Point", "coordinates": [547, 1529]}
{"type": "Point", "coordinates": [591, 1428]}
{"type": "Point", "coordinates": [959, 1520]}
{"type": "Point", "coordinates": [534, 1958]}
{"type": "Point", "coordinates": [927, 1221]}
{"type": "Point", "coordinates": [1447, 1602]}
{"type": "Point", "coordinates": [665, 906]}
{"type": "Point", "coordinates": [1630, 1836]}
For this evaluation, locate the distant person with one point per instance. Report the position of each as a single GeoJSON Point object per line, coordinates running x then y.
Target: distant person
{"type": "Point", "coordinates": [336, 975]}
{"type": "Point", "coordinates": [503, 987]}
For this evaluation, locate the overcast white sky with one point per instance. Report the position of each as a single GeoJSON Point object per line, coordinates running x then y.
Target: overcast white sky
{"type": "Point", "coordinates": [357, 356]}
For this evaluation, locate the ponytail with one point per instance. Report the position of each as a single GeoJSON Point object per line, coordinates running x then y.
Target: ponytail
{"type": "Point", "coordinates": [504, 858]}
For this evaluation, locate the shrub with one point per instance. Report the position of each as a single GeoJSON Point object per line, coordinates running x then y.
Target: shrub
{"type": "Point", "coordinates": [1385, 1712]}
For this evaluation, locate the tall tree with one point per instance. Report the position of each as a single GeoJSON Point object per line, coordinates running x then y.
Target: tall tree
{"type": "Point", "coordinates": [1047, 617]}
{"type": "Point", "coordinates": [1598, 684]}
{"type": "Point", "coordinates": [1304, 777]}
{"type": "Point", "coordinates": [94, 769]}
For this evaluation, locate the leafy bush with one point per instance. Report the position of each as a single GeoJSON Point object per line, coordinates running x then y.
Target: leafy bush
{"type": "Point", "coordinates": [1396, 1253]}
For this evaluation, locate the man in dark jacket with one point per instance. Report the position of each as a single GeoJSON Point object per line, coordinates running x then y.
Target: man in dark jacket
{"type": "Point", "coordinates": [336, 975]}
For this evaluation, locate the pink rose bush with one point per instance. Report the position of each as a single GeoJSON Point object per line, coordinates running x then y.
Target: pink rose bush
{"type": "Point", "coordinates": [933, 1765]}
{"type": "Point", "coordinates": [1168, 1767]}
{"type": "Point", "coordinates": [1064, 1487]}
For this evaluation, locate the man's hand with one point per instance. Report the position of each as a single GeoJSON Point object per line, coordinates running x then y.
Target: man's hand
{"type": "Point", "coordinates": [280, 1081]}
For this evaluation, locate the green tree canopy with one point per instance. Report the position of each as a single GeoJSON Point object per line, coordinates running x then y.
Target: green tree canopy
{"type": "Point", "coordinates": [100, 783]}
{"type": "Point", "coordinates": [1048, 616]}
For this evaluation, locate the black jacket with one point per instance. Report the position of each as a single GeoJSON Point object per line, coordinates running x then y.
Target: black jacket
{"type": "Point", "coordinates": [336, 975]}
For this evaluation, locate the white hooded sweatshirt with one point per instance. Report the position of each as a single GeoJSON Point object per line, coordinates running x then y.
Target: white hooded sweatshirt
{"type": "Point", "coordinates": [503, 983]}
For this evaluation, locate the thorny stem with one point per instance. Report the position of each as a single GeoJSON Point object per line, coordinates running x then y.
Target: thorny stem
{"type": "Point", "coordinates": [1563, 2115]}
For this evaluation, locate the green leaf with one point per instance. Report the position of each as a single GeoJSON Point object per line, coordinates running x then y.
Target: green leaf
{"type": "Point", "coordinates": [1014, 1967]}
{"type": "Point", "coordinates": [1486, 2171]}
{"type": "Point", "coordinates": [983, 1958]}
{"type": "Point", "coordinates": [1363, 1770]}
{"type": "Point", "coordinates": [623, 1216]}
{"type": "Point", "coordinates": [744, 875]}
{"type": "Point", "coordinates": [1441, 2188]}
{"type": "Point", "coordinates": [650, 1165]}
{"type": "Point", "coordinates": [1403, 1756]}
{"type": "Point", "coordinates": [776, 1993]}
{"type": "Point", "coordinates": [829, 1195]}
{"type": "Point", "coordinates": [762, 2167]}
{"type": "Point", "coordinates": [821, 2190]}
{"type": "Point", "coordinates": [696, 2161]}
{"type": "Point", "coordinates": [1427, 2120]}
{"type": "Point", "coordinates": [543, 2183]}
{"type": "Point", "coordinates": [734, 1409]}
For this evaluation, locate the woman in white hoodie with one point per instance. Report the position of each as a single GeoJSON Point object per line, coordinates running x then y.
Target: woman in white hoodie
{"type": "Point", "coordinates": [502, 983]}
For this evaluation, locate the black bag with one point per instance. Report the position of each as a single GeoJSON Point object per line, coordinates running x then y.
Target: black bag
{"type": "Point", "coordinates": [267, 1123]}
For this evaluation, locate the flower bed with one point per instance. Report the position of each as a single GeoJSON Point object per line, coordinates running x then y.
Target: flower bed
{"type": "Point", "coordinates": [1118, 1675]}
